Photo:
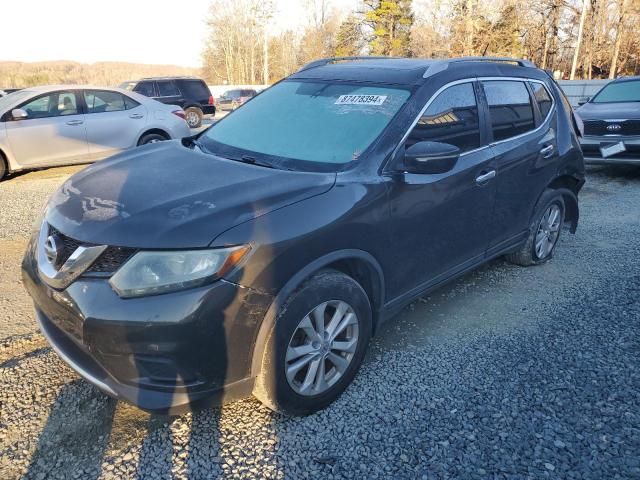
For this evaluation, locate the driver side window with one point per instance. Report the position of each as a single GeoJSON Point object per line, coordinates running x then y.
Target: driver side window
{"type": "Point", "coordinates": [52, 105]}
{"type": "Point", "coordinates": [451, 118]}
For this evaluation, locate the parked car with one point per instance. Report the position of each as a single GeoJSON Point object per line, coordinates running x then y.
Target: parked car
{"type": "Point", "coordinates": [286, 233]}
{"type": "Point", "coordinates": [192, 94]}
{"type": "Point", "coordinates": [60, 125]}
{"type": "Point", "coordinates": [232, 99]}
{"type": "Point", "coordinates": [612, 123]}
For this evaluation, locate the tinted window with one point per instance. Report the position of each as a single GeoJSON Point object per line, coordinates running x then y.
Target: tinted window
{"type": "Point", "coordinates": [52, 105]}
{"type": "Point", "coordinates": [195, 89]}
{"type": "Point", "coordinates": [510, 107]}
{"type": "Point", "coordinates": [233, 94]}
{"type": "Point", "coordinates": [451, 118]}
{"type": "Point", "coordinates": [628, 91]}
{"type": "Point", "coordinates": [543, 98]}
{"type": "Point", "coordinates": [99, 101]}
{"type": "Point", "coordinates": [167, 88]}
{"type": "Point", "coordinates": [145, 88]}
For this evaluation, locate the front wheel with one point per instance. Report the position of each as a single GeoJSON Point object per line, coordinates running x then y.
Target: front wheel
{"type": "Point", "coordinates": [317, 345]}
{"type": "Point", "coordinates": [544, 232]}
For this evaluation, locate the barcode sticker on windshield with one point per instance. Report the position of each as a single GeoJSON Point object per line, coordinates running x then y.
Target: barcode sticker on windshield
{"type": "Point", "coordinates": [361, 99]}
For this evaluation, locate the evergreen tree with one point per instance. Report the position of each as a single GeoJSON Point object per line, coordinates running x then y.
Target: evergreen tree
{"type": "Point", "coordinates": [389, 23]}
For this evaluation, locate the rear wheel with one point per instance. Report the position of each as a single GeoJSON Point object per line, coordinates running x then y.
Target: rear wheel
{"type": "Point", "coordinates": [544, 232]}
{"type": "Point", "coordinates": [193, 116]}
{"type": "Point", "coordinates": [152, 138]}
{"type": "Point", "coordinates": [317, 346]}
{"type": "Point", "coordinates": [3, 166]}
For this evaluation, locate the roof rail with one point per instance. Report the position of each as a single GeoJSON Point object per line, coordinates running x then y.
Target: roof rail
{"type": "Point", "coordinates": [441, 65]}
{"type": "Point", "coordinates": [325, 61]}
{"type": "Point", "coordinates": [168, 77]}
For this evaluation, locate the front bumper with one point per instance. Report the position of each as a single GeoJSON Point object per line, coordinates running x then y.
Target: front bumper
{"type": "Point", "coordinates": [591, 150]}
{"type": "Point", "coordinates": [166, 354]}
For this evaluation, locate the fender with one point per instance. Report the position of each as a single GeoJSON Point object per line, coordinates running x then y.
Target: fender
{"type": "Point", "coordinates": [294, 282]}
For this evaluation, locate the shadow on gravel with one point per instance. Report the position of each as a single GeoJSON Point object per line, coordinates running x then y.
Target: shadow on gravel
{"type": "Point", "coordinates": [81, 430]}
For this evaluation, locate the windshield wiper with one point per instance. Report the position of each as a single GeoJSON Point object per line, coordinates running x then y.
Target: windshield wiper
{"type": "Point", "coordinates": [252, 161]}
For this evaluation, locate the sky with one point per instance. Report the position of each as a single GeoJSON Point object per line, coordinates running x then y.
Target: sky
{"type": "Point", "coordinates": [138, 31]}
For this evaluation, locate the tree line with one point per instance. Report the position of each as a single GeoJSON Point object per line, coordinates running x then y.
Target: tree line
{"type": "Point", "coordinates": [582, 39]}
{"type": "Point", "coordinates": [21, 74]}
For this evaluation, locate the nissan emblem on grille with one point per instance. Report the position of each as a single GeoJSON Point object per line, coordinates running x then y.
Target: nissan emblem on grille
{"type": "Point", "coordinates": [614, 127]}
{"type": "Point", "coordinates": [53, 249]}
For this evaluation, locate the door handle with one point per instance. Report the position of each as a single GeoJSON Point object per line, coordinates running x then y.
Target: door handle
{"type": "Point", "coordinates": [547, 151]}
{"type": "Point", "coordinates": [75, 122]}
{"type": "Point", "coordinates": [485, 177]}
{"type": "Point", "coordinates": [136, 115]}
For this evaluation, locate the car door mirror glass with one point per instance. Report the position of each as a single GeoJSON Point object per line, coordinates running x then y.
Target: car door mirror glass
{"type": "Point", "coordinates": [430, 157]}
{"type": "Point", "coordinates": [583, 100]}
{"type": "Point", "coordinates": [19, 114]}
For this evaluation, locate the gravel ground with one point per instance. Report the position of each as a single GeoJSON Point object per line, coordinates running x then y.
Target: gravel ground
{"type": "Point", "coordinates": [508, 373]}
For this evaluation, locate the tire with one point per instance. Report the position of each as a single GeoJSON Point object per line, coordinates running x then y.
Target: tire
{"type": "Point", "coordinates": [290, 392]}
{"type": "Point", "coordinates": [531, 253]}
{"type": "Point", "coordinates": [151, 138]}
{"type": "Point", "coordinates": [3, 167]}
{"type": "Point", "coordinates": [193, 116]}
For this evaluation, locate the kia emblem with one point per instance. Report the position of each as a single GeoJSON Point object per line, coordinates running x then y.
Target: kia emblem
{"type": "Point", "coordinates": [614, 127]}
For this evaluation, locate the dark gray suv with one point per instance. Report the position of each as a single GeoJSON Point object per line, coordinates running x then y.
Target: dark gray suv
{"type": "Point", "coordinates": [260, 256]}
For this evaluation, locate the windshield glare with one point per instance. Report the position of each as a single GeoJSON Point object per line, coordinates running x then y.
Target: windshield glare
{"type": "Point", "coordinates": [308, 121]}
{"type": "Point", "coordinates": [628, 91]}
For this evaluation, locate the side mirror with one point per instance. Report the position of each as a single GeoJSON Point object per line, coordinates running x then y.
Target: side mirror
{"type": "Point", "coordinates": [431, 157]}
{"type": "Point", "coordinates": [19, 114]}
{"type": "Point", "coordinates": [582, 101]}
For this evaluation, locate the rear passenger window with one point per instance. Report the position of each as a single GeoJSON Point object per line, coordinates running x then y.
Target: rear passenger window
{"type": "Point", "coordinates": [510, 108]}
{"type": "Point", "coordinates": [145, 88]}
{"type": "Point", "coordinates": [451, 118]}
{"type": "Point", "coordinates": [543, 98]}
{"type": "Point", "coordinates": [101, 101]}
{"type": "Point", "coordinates": [167, 89]}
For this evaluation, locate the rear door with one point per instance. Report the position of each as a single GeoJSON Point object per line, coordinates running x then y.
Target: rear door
{"type": "Point", "coordinates": [169, 93]}
{"type": "Point", "coordinates": [114, 122]}
{"type": "Point", "coordinates": [53, 133]}
{"type": "Point", "coordinates": [524, 144]}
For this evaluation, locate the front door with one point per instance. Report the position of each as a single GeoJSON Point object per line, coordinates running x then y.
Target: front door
{"type": "Point", "coordinates": [440, 222]}
{"type": "Point", "coordinates": [53, 133]}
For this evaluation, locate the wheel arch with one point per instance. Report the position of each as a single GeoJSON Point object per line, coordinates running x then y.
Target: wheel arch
{"type": "Point", "coordinates": [570, 186]}
{"type": "Point", "coordinates": [358, 264]}
{"type": "Point", "coordinates": [156, 130]}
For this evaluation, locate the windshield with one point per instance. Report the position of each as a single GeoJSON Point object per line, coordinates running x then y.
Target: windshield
{"type": "Point", "coordinates": [14, 98]}
{"type": "Point", "coordinates": [628, 91]}
{"type": "Point", "coordinates": [307, 122]}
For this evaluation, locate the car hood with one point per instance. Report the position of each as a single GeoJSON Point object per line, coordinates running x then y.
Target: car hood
{"type": "Point", "coordinates": [609, 111]}
{"type": "Point", "coordinates": [167, 196]}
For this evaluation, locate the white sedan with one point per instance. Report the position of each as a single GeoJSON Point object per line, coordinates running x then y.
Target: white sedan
{"type": "Point", "coordinates": [61, 125]}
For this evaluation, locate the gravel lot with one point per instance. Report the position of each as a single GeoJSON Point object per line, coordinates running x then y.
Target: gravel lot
{"type": "Point", "coordinates": [507, 373]}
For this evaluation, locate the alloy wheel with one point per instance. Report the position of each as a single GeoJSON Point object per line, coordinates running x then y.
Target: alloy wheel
{"type": "Point", "coordinates": [321, 348]}
{"type": "Point", "coordinates": [192, 119]}
{"type": "Point", "coordinates": [548, 231]}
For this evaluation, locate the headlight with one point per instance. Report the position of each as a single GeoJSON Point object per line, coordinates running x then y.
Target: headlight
{"type": "Point", "coordinates": [155, 272]}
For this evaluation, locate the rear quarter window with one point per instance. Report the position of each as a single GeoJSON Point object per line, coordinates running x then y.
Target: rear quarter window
{"type": "Point", "coordinates": [195, 89]}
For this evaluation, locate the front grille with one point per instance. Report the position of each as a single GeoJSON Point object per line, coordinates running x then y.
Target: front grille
{"type": "Point", "coordinates": [110, 260]}
{"type": "Point", "coordinates": [599, 127]}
